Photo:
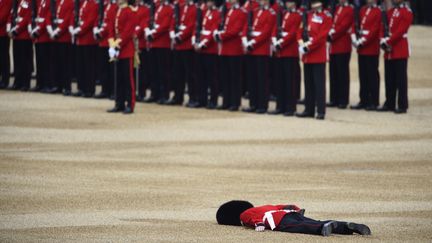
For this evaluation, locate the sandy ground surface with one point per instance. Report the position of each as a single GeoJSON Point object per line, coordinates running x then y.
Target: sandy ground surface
{"type": "Point", "coordinates": [71, 172]}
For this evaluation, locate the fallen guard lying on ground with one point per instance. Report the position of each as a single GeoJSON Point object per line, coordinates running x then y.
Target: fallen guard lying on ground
{"type": "Point", "coordinates": [285, 218]}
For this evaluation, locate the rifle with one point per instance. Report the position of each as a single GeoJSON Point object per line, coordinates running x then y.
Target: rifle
{"type": "Point", "coordinates": [199, 26]}
{"type": "Point", "coordinates": [53, 10]}
{"type": "Point", "coordinates": [33, 14]}
{"type": "Point", "coordinates": [176, 17]}
{"type": "Point", "coordinates": [223, 16]}
{"type": "Point", "coordinates": [357, 20]}
{"type": "Point", "coordinates": [332, 5]}
{"type": "Point", "coordinates": [279, 19]}
{"type": "Point", "coordinates": [100, 13]}
{"type": "Point", "coordinates": [305, 34]}
{"type": "Point", "coordinates": [151, 19]}
{"type": "Point", "coordinates": [14, 13]}
{"type": "Point", "coordinates": [76, 16]}
{"type": "Point", "coordinates": [249, 21]}
{"type": "Point", "coordinates": [384, 21]}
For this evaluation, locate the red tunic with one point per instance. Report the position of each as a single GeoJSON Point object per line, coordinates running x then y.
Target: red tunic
{"type": "Point", "coordinates": [210, 23]}
{"type": "Point", "coordinates": [43, 15]}
{"type": "Point", "coordinates": [187, 26]}
{"type": "Point", "coordinates": [231, 34]}
{"type": "Point", "coordinates": [370, 30]}
{"type": "Point", "coordinates": [319, 24]}
{"type": "Point", "coordinates": [5, 10]}
{"type": "Point", "coordinates": [22, 20]}
{"type": "Point", "coordinates": [143, 17]}
{"type": "Point", "coordinates": [163, 21]}
{"type": "Point", "coordinates": [269, 215]}
{"type": "Point", "coordinates": [290, 25]}
{"type": "Point", "coordinates": [108, 23]}
{"type": "Point", "coordinates": [262, 27]}
{"type": "Point", "coordinates": [342, 26]}
{"type": "Point", "coordinates": [124, 27]}
{"type": "Point", "coordinates": [88, 19]}
{"type": "Point", "coordinates": [63, 18]}
{"type": "Point", "coordinates": [400, 19]}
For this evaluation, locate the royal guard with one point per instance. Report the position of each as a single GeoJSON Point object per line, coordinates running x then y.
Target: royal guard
{"type": "Point", "coordinates": [256, 42]}
{"type": "Point", "coordinates": [397, 51]}
{"type": "Point", "coordinates": [143, 16]}
{"type": "Point", "coordinates": [340, 54]}
{"type": "Point", "coordinates": [312, 38]}
{"type": "Point", "coordinates": [286, 58]}
{"type": "Point", "coordinates": [17, 29]}
{"type": "Point", "coordinates": [231, 51]}
{"type": "Point", "coordinates": [105, 73]}
{"type": "Point", "coordinates": [283, 218]}
{"type": "Point", "coordinates": [43, 47]}
{"type": "Point", "coordinates": [122, 52]}
{"type": "Point", "coordinates": [157, 35]}
{"type": "Point", "coordinates": [5, 11]}
{"type": "Point", "coordinates": [86, 48]}
{"type": "Point", "coordinates": [181, 34]}
{"type": "Point", "coordinates": [207, 49]}
{"type": "Point", "coordinates": [366, 39]}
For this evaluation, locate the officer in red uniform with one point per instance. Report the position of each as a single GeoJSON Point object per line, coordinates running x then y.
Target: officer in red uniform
{"type": "Point", "coordinates": [143, 16]}
{"type": "Point", "coordinates": [367, 42]}
{"type": "Point", "coordinates": [286, 58]}
{"type": "Point", "coordinates": [284, 218]}
{"type": "Point", "coordinates": [207, 49]}
{"type": "Point", "coordinates": [397, 52]}
{"type": "Point", "coordinates": [159, 38]}
{"type": "Point", "coordinates": [231, 51]}
{"type": "Point", "coordinates": [105, 72]}
{"type": "Point", "coordinates": [122, 51]}
{"type": "Point", "coordinates": [183, 54]}
{"type": "Point", "coordinates": [340, 54]}
{"type": "Point", "coordinates": [22, 44]}
{"type": "Point", "coordinates": [57, 28]}
{"type": "Point", "coordinates": [43, 47]}
{"type": "Point", "coordinates": [86, 48]}
{"type": "Point", "coordinates": [5, 11]}
{"type": "Point", "coordinates": [314, 56]}
{"type": "Point", "coordinates": [257, 42]}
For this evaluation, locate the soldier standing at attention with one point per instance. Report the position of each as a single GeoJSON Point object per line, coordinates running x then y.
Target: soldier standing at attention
{"type": "Point", "coordinates": [312, 38]}
{"type": "Point", "coordinates": [397, 52]}
{"type": "Point", "coordinates": [340, 54]}
{"type": "Point", "coordinates": [143, 17]}
{"type": "Point", "coordinates": [122, 51]}
{"type": "Point", "coordinates": [5, 11]}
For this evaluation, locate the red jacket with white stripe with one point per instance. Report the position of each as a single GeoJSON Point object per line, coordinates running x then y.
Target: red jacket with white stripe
{"type": "Point", "coordinates": [264, 20]}
{"type": "Point", "coordinates": [290, 24]}
{"type": "Point", "coordinates": [400, 19]}
{"type": "Point", "coordinates": [268, 215]}
{"type": "Point", "coordinates": [370, 30]}
{"type": "Point", "coordinates": [110, 11]}
{"type": "Point", "coordinates": [187, 26]}
{"type": "Point", "coordinates": [342, 26]}
{"type": "Point", "coordinates": [43, 15]}
{"type": "Point", "coordinates": [124, 28]}
{"type": "Point", "coordinates": [22, 20]}
{"type": "Point", "coordinates": [5, 11]}
{"type": "Point", "coordinates": [163, 20]}
{"type": "Point", "coordinates": [231, 34]}
{"type": "Point", "coordinates": [63, 18]}
{"type": "Point", "coordinates": [88, 19]}
{"type": "Point", "coordinates": [210, 23]}
{"type": "Point", "coordinates": [143, 17]}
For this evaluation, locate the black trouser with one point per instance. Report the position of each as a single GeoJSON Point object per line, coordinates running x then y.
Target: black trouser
{"type": "Point", "coordinates": [144, 71]}
{"type": "Point", "coordinates": [207, 78]}
{"type": "Point", "coordinates": [297, 223]}
{"type": "Point", "coordinates": [183, 74]}
{"type": "Point", "coordinates": [231, 79]}
{"type": "Point", "coordinates": [44, 74]}
{"type": "Point", "coordinates": [245, 73]}
{"type": "Point", "coordinates": [23, 62]}
{"type": "Point", "coordinates": [339, 78]}
{"type": "Point", "coordinates": [159, 88]}
{"type": "Point", "coordinates": [4, 60]}
{"type": "Point", "coordinates": [105, 71]}
{"type": "Point", "coordinates": [86, 68]}
{"type": "Point", "coordinates": [396, 83]}
{"type": "Point", "coordinates": [125, 86]}
{"type": "Point", "coordinates": [369, 80]}
{"type": "Point", "coordinates": [287, 84]}
{"type": "Point", "coordinates": [314, 75]}
{"type": "Point", "coordinates": [258, 82]}
{"type": "Point", "coordinates": [62, 65]}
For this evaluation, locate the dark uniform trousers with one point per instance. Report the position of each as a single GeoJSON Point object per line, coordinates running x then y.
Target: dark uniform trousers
{"type": "Point", "coordinates": [23, 62]}
{"type": "Point", "coordinates": [4, 60]}
{"type": "Point", "coordinates": [62, 65]}
{"type": "Point", "coordinates": [159, 88]}
{"type": "Point", "coordinates": [287, 83]}
{"type": "Point", "coordinates": [86, 68]}
{"type": "Point", "coordinates": [207, 79]}
{"type": "Point", "coordinates": [183, 74]}
{"type": "Point", "coordinates": [105, 71]}
{"type": "Point", "coordinates": [297, 223]}
{"type": "Point", "coordinates": [369, 80]}
{"type": "Point", "coordinates": [258, 82]}
{"type": "Point", "coordinates": [339, 78]}
{"type": "Point", "coordinates": [314, 75]}
{"type": "Point", "coordinates": [44, 74]}
{"type": "Point", "coordinates": [145, 74]}
{"type": "Point", "coordinates": [125, 85]}
{"type": "Point", "coordinates": [231, 80]}
{"type": "Point", "coordinates": [245, 77]}
{"type": "Point", "coordinates": [396, 83]}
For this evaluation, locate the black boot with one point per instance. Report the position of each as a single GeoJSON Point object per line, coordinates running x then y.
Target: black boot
{"type": "Point", "coordinates": [116, 109]}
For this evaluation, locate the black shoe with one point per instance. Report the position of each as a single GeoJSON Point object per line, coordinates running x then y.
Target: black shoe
{"type": "Point", "coordinates": [222, 107]}
{"type": "Point", "coordinates": [384, 108]}
{"type": "Point", "coordinates": [195, 105]}
{"type": "Point", "coordinates": [67, 92]}
{"type": "Point", "coordinates": [127, 111]}
{"type": "Point", "coordinates": [371, 108]}
{"type": "Point", "coordinates": [88, 95]}
{"type": "Point", "coordinates": [162, 101]}
{"type": "Point", "coordinates": [320, 117]}
{"type": "Point", "coordinates": [400, 111]}
{"type": "Point", "coordinates": [360, 229]}
{"type": "Point", "coordinates": [35, 89]}
{"type": "Point", "coordinates": [275, 112]}
{"type": "Point", "coordinates": [261, 111]}
{"type": "Point", "coordinates": [233, 108]}
{"type": "Point", "coordinates": [211, 106]}
{"type": "Point", "coordinates": [54, 90]}
{"type": "Point", "coordinates": [328, 227]}
{"type": "Point", "coordinates": [15, 87]}
{"type": "Point", "coordinates": [101, 95]}
{"type": "Point", "coordinates": [305, 115]}
{"type": "Point", "coordinates": [359, 106]}
{"type": "Point", "coordinates": [249, 110]}
{"type": "Point", "coordinates": [342, 107]}
{"type": "Point", "coordinates": [289, 113]}
{"type": "Point", "coordinates": [4, 85]}
{"type": "Point", "coordinates": [78, 94]}
{"type": "Point", "coordinates": [151, 99]}
{"type": "Point", "coordinates": [116, 109]}
{"type": "Point", "coordinates": [24, 89]}
{"type": "Point", "coordinates": [332, 104]}
{"type": "Point", "coordinates": [174, 102]}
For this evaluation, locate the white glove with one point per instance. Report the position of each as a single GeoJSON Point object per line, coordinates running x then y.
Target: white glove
{"type": "Point", "coordinates": [302, 50]}
{"type": "Point", "coordinates": [384, 41]}
{"type": "Point", "coordinates": [77, 30]}
{"type": "Point", "coordinates": [71, 29]}
{"type": "Point", "coordinates": [29, 29]}
{"type": "Point", "coordinates": [274, 41]}
{"type": "Point", "coordinates": [260, 228]}
{"type": "Point", "coordinates": [55, 33]}
{"type": "Point", "coordinates": [216, 35]}
{"type": "Point", "coordinates": [332, 31]}
{"type": "Point", "coordinates": [172, 35]}
{"type": "Point", "coordinates": [112, 53]}
{"type": "Point", "coordinates": [34, 32]}
{"type": "Point", "coordinates": [193, 40]}
{"type": "Point", "coordinates": [8, 27]}
{"type": "Point", "coordinates": [244, 42]}
{"type": "Point", "coordinates": [11, 32]}
{"type": "Point", "coordinates": [96, 32]}
{"type": "Point", "coordinates": [179, 34]}
{"type": "Point", "coordinates": [49, 30]}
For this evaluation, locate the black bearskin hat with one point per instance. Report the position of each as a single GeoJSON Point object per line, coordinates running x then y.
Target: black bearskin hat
{"type": "Point", "coordinates": [229, 212]}
{"type": "Point", "coordinates": [219, 3]}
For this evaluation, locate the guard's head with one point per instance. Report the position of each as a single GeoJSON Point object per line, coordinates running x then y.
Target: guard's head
{"type": "Point", "coordinates": [229, 212]}
{"type": "Point", "coordinates": [316, 4]}
{"type": "Point", "coordinates": [290, 4]}
{"type": "Point", "coordinates": [210, 3]}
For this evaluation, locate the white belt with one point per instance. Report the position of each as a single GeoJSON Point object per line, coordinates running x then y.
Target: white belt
{"type": "Point", "coordinates": [269, 217]}
{"type": "Point", "coordinates": [58, 21]}
{"type": "Point", "coordinates": [256, 33]}
{"type": "Point", "coordinates": [40, 20]}
{"type": "Point", "coordinates": [182, 27]}
{"type": "Point", "coordinates": [364, 32]}
{"type": "Point", "coordinates": [18, 19]}
{"type": "Point", "coordinates": [205, 32]}
{"type": "Point", "coordinates": [284, 34]}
